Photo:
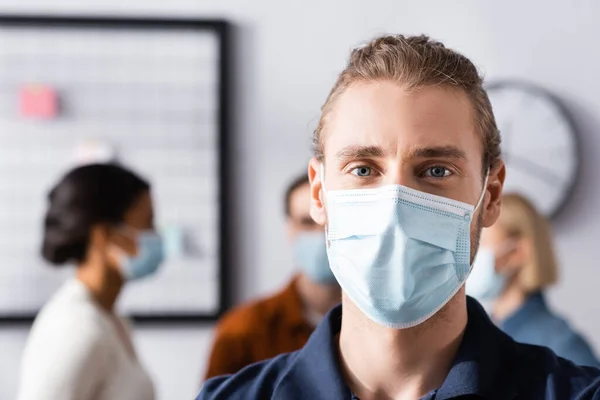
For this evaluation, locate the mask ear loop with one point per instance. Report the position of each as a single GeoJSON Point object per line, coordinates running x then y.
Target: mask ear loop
{"type": "Point", "coordinates": [323, 191]}
{"type": "Point", "coordinates": [322, 173]}
{"type": "Point", "coordinates": [128, 231]}
{"type": "Point", "coordinates": [482, 195]}
{"type": "Point", "coordinates": [118, 253]}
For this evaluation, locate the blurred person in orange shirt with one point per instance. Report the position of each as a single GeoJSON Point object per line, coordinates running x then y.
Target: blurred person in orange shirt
{"type": "Point", "coordinates": [283, 322]}
{"type": "Point", "coordinates": [514, 267]}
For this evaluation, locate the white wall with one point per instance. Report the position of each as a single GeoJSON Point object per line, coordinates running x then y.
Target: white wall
{"type": "Point", "coordinates": [289, 54]}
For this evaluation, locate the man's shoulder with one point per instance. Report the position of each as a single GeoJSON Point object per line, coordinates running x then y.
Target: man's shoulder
{"type": "Point", "coordinates": [539, 370]}
{"type": "Point", "coordinates": [256, 381]}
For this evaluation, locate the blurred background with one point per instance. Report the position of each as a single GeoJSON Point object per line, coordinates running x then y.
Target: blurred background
{"type": "Point", "coordinates": [285, 57]}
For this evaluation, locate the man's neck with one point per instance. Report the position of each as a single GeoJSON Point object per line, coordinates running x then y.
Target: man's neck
{"type": "Point", "coordinates": [317, 298]}
{"type": "Point", "coordinates": [384, 363]}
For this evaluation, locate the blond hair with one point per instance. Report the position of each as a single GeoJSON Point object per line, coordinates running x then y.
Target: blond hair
{"type": "Point", "coordinates": [416, 62]}
{"type": "Point", "coordinates": [520, 220]}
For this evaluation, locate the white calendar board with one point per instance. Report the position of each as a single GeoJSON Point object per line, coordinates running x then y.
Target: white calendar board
{"type": "Point", "coordinates": [146, 93]}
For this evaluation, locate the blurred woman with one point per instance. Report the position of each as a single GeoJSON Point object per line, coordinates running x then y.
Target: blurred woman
{"type": "Point", "coordinates": [100, 218]}
{"type": "Point", "coordinates": [514, 266]}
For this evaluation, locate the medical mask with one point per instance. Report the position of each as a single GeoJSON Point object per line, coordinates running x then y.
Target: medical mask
{"type": "Point", "coordinates": [150, 254]}
{"type": "Point", "coordinates": [399, 254]}
{"type": "Point", "coordinates": [485, 283]}
{"type": "Point", "coordinates": [310, 255]}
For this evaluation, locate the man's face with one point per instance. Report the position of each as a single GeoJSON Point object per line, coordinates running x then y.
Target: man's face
{"type": "Point", "coordinates": [378, 134]}
{"type": "Point", "coordinates": [299, 219]}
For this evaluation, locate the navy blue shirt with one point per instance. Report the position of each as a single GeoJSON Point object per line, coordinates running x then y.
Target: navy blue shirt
{"type": "Point", "coordinates": [534, 323]}
{"type": "Point", "coordinates": [489, 365]}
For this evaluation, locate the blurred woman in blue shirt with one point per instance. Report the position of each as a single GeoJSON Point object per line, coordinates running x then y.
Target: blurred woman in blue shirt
{"type": "Point", "coordinates": [514, 266]}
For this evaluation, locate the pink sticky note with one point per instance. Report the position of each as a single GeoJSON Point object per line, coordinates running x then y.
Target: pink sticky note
{"type": "Point", "coordinates": [38, 101]}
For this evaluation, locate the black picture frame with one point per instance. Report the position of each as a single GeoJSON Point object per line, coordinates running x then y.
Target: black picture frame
{"type": "Point", "coordinates": [223, 30]}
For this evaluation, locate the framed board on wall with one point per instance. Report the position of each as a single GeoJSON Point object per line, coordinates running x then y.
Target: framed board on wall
{"type": "Point", "coordinates": [150, 94]}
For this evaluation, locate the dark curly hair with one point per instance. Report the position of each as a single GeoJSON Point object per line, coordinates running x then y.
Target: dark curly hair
{"type": "Point", "coordinates": [91, 194]}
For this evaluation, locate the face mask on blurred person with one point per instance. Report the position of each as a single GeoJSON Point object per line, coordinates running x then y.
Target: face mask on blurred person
{"type": "Point", "coordinates": [399, 254]}
{"type": "Point", "coordinates": [310, 255]}
{"type": "Point", "coordinates": [150, 255]}
{"type": "Point", "coordinates": [485, 283]}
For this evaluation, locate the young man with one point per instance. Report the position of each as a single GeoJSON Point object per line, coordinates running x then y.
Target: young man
{"type": "Point", "coordinates": [281, 323]}
{"type": "Point", "coordinates": [407, 172]}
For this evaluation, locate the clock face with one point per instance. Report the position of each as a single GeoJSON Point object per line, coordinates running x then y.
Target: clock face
{"type": "Point", "coordinates": [539, 144]}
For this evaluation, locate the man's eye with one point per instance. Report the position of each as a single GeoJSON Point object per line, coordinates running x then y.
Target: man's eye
{"type": "Point", "coordinates": [437, 172]}
{"type": "Point", "coordinates": [361, 171]}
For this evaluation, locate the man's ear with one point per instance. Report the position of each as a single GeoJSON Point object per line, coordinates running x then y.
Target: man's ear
{"type": "Point", "coordinates": [317, 201]}
{"type": "Point", "coordinates": [492, 202]}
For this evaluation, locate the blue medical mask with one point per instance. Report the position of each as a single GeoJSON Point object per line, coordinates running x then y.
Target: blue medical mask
{"type": "Point", "coordinates": [399, 254]}
{"type": "Point", "coordinates": [150, 255]}
{"type": "Point", "coordinates": [310, 255]}
{"type": "Point", "coordinates": [485, 283]}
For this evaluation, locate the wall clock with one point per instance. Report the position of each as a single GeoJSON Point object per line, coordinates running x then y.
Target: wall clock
{"type": "Point", "coordinates": [540, 144]}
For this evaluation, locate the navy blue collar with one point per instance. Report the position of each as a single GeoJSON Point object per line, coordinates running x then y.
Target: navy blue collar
{"type": "Point", "coordinates": [481, 367]}
{"type": "Point", "coordinates": [534, 305]}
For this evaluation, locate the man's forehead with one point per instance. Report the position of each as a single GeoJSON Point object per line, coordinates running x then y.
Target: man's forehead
{"type": "Point", "coordinates": [396, 123]}
{"type": "Point", "coordinates": [386, 96]}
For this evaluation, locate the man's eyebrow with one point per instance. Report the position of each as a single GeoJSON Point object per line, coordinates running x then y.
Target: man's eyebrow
{"type": "Point", "coordinates": [438, 152]}
{"type": "Point", "coordinates": [355, 151]}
